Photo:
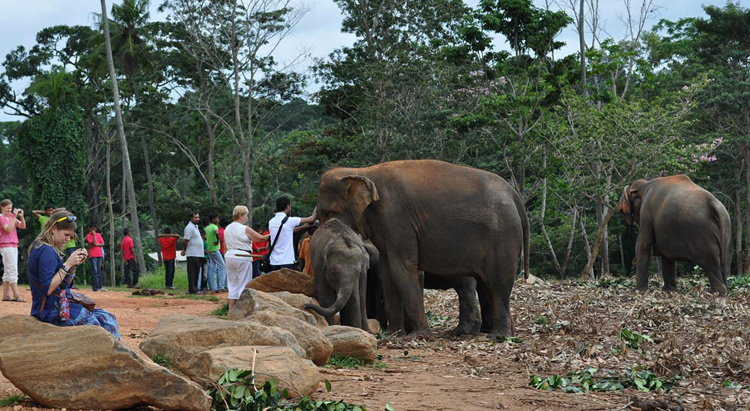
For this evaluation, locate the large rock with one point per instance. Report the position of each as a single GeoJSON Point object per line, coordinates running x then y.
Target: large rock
{"type": "Point", "coordinates": [85, 367]}
{"type": "Point", "coordinates": [285, 280]}
{"type": "Point", "coordinates": [310, 338]}
{"type": "Point", "coordinates": [298, 301]}
{"type": "Point", "coordinates": [298, 376]}
{"type": "Point", "coordinates": [352, 342]}
{"type": "Point", "coordinates": [254, 301]}
{"type": "Point", "coordinates": [179, 337]}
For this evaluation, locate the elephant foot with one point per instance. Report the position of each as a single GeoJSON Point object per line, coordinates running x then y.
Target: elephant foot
{"type": "Point", "coordinates": [670, 288]}
{"type": "Point", "coordinates": [641, 288]}
{"type": "Point", "coordinates": [465, 330]}
{"type": "Point", "coordinates": [721, 291]}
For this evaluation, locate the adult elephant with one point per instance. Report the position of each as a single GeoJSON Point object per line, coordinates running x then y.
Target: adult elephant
{"type": "Point", "coordinates": [679, 221]}
{"type": "Point", "coordinates": [444, 219]}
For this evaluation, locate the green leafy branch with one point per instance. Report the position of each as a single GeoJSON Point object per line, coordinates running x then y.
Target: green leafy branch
{"type": "Point", "coordinates": [585, 381]}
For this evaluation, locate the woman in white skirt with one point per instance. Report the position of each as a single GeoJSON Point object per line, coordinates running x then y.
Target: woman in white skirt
{"type": "Point", "coordinates": [239, 238]}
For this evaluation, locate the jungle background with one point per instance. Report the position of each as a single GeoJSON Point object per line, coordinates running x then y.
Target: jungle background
{"type": "Point", "coordinates": [211, 120]}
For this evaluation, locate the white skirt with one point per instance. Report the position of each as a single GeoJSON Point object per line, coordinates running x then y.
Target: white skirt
{"type": "Point", "coordinates": [239, 273]}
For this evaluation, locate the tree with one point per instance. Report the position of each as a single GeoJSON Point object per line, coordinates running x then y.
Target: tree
{"type": "Point", "coordinates": [132, 203]}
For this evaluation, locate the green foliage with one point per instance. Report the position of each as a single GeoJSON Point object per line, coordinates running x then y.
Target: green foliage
{"type": "Point", "coordinates": [342, 361]}
{"type": "Point", "coordinates": [437, 320]}
{"type": "Point", "coordinates": [162, 360]}
{"type": "Point", "coordinates": [541, 320]}
{"type": "Point", "coordinates": [612, 282]}
{"type": "Point", "coordinates": [221, 311]}
{"type": "Point", "coordinates": [633, 339]}
{"type": "Point", "coordinates": [504, 338]}
{"type": "Point", "coordinates": [12, 400]}
{"type": "Point", "coordinates": [585, 381]}
{"type": "Point", "coordinates": [741, 281]}
{"type": "Point", "coordinates": [236, 391]}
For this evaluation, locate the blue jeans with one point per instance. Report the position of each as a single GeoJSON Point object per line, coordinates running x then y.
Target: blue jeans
{"type": "Point", "coordinates": [217, 271]}
{"type": "Point", "coordinates": [96, 273]}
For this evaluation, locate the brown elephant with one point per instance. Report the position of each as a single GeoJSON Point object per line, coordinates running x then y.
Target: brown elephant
{"type": "Point", "coordinates": [678, 221]}
{"type": "Point", "coordinates": [340, 262]}
{"type": "Point", "coordinates": [447, 220]}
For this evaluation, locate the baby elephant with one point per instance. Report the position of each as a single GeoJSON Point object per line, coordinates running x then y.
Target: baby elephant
{"type": "Point", "coordinates": [340, 262]}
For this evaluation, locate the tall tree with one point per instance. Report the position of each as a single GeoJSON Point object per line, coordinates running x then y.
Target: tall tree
{"type": "Point", "coordinates": [132, 202]}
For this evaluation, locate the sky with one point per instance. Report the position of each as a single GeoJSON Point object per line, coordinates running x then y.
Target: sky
{"type": "Point", "coordinates": [318, 33]}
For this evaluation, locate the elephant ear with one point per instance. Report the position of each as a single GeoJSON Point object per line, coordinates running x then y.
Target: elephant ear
{"type": "Point", "coordinates": [625, 202]}
{"type": "Point", "coordinates": [360, 194]}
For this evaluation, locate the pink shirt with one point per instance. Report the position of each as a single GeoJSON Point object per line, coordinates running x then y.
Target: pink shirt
{"type": "Point", "coordinates": [127, 248]}
{"type": "Point", "coordinates": [8, 239]}
{"type": "Point", "coordinates": [91, 240]}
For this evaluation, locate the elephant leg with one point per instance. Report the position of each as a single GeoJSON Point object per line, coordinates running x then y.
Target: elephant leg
{"type": "Point", "coordinates": [643, 247]}
{"type": "Point", "coordinates": [362, 292]}
{"type": "Point", "coordinates": [669, 272]}
{"type": "Point", "coordinates": [486, 307]}
{"type": "Point", "coordinates": [498, 302]}
{"type": "Point", "coordinates": [350, 314]}
{"type": "Point", "coordinates": [712, 266]}
{"type": "Point", "coordinates": [405, 279]}
{"type": "Point", "coordinates": [469, 319]}
{"type": "Point", "coordinates": [394, 308]}
{"type": "Point", "coordinates": [325, 294]}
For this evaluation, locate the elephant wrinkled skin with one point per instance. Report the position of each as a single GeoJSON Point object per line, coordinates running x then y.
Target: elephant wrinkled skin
{"type": "Point", "coordinates": [679, 221]}
{"type": "Point", "coordinates": [340, 262]}
{"type": "Point", "coordinates": [447, 220]}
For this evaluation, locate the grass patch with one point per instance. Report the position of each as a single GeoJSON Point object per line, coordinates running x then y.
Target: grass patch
{"type": "Point", "coordinates": [341, 361]}
{"type": "Point", "coordinates": [12, 400]}
{"type": "Point", "coordinates": [585, 381]}
{"type": "Point", "coordinates": [221, 311]}
{"type": "Point", "coordinates": [162, 360]}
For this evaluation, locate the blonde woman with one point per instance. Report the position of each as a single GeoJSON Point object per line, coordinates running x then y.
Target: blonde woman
{"type": "Point", "coordinates": [50, 278]}
{"type": "Point", "coordinates": [239, 241]}
{"type": "Point", "coordinates": [11, 219]}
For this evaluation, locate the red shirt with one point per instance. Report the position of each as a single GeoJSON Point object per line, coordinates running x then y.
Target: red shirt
{"type": "Point", "coordinates": [168, 248]}
{"type": "Point", "coordinates": [127, 248]}
{"type": "Point", "coordinates": [259, 244]}
{"type": "Point", "coordinates": [95, 251]}
{"type": "Point", "coordinates": [223, 248]}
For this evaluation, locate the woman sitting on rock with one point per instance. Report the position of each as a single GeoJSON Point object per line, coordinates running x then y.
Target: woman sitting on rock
{"type": "Point", "coordinates": [50, 278]}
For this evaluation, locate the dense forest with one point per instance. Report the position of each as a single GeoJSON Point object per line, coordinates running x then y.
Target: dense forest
{"type": "Point", "coordinates": [205, 117]}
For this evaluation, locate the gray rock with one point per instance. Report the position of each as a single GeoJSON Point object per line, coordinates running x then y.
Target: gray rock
{"type": "Point", "coordinates": [352, 342]}
{"type": "Point", "coordinates": [298, 376]}
{"type": "Point", "coordinates": [285, 280]}
{"type": "Point", "coordinates": [298, 301]}
{"type": "Point", "coordinates": [310, 338]}
{"type": "Point", "coordinates": [179, 337]}
{"type": "Point", "coordinates": [254, 301]}
{"type": "Point", "coordinates": [85, 367]}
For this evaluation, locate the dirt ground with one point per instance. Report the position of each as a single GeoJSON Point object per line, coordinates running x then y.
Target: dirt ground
{"type": "Point", "coordinates": [699, 344]}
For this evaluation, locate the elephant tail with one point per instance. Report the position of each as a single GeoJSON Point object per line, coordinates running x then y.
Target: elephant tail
{"type": "Point", "coordinates": [343, 293]}
{"type": "Point", "coordinates": [526, 242]}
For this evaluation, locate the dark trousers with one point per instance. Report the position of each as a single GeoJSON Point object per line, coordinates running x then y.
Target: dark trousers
{"type": "Point", "coordinates": [193, 271]}
{"type": "Point", "coordinates": [131, 265]}
{"type": "Point", "coordinates": [256, 269]}
{"type": "Point", "coordinates": [96, 273]}
{"type": "Point", "coordinates": [168, 272]}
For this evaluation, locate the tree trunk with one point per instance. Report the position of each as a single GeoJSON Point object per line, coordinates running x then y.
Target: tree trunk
{"type": "Point", "coordinates": [738, 232]}
{"type": "Point", "coordinates": [622, 255]}
{"type": "Point", "coordinates": [570, 242]}
{"type": "Point", "coordinates": [746, 159]}
{"type": "Point", "coordinates": [585, 236]}
{"type": "Point", "coordinates": [150, 182]}
{"type": "Point", "coordinates": [136, 230]}
{"type": "Point", "coordinates": [541, 219]}
{"type": "Point", "coordinates": [111, 254]}
{"type": "Point", "coordinates": [582, 47]}
{"type": "Point", "coordinates": [588, 272]}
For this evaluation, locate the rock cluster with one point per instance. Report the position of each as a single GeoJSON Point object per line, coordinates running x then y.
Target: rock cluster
{"type": "Point", "coordinates": [267, 332]}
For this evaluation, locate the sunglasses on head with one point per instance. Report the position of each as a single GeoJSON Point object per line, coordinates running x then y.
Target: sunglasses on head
{"type": "Point", "coordinates": [70, 218]}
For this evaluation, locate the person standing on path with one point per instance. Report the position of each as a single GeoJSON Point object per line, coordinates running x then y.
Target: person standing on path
{"type": "Point", "coordinates": [217, 269]}
{"type": "Point", "coordinates": [192, 248]}
{"type": "Point", "coordinates": [260, 248]}
{"type": "Point", "coordinates": [282, 254]}
{"type": "Point", "coordinates": [239, 238]}
{"type": "Point", "coordinates": [168, 243]}
{"type": "Point", "coordinates": [96, 255]}
{"type": "Point", "coordinates": [128, 255]}
{"type": "Point", "coordinates": [10, 220]}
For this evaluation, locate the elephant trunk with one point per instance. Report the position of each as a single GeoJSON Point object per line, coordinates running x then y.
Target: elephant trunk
{"type": "Point", "coordinates": [343, 293]}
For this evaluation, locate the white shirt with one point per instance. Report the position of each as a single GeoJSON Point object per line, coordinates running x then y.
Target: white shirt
{"type": "Point", "coordinates": [236, 240]}
{"type": "Point", "coordinates": [195, 242]}
{"type": "Point", "coordinates": [283, 251]}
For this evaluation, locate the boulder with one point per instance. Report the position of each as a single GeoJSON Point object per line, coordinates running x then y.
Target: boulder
{"type": "Point", "coordinates": [285, 280]}
{"type": "Point", "coordinates": [85, 367]}
{"type": "Point", "coordinates": [298, 301]}
{"type": "Point", "coordinates": [252, 301]}
{"type": "Point", "coordinates": [179, 337]}
{"type": "Point", "coordinates": [373, 326]}
{"type": "Point", "coordinates": [298, 376]}
{"type": "Point", "coordinates": [310, 338]}
{"type": "Point", "coordinates": [352, 342]}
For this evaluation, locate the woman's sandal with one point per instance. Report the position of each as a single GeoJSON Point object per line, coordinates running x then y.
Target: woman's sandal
{"type": "Point", "coordinates": [7, 299]}
{"type": "Point", "coordinates": [18, 299]}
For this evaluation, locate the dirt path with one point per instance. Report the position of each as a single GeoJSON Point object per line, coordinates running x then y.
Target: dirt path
{"type": "Point", "coordinates": [698, 336]}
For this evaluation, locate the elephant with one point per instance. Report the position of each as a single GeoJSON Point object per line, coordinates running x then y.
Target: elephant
{"type": "Point", "coordinates": [678, 221]}
{"type": "Point", "coordinates": [340, 262]}
{"type": "Point", "coordinates": [469, 318]}
{"type": "Point", "coordinates": [444, 219]}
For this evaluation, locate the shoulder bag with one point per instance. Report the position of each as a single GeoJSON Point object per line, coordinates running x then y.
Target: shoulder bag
{"type": "Point", "coordinates": [265, 261]}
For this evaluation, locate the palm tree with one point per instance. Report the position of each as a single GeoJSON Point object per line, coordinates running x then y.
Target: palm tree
{"type": "Point", "coordinates": [123, 142]}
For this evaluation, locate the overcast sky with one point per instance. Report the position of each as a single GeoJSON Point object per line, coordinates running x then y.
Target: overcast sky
{"type": "Point", "coordinates": [318, 33]}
